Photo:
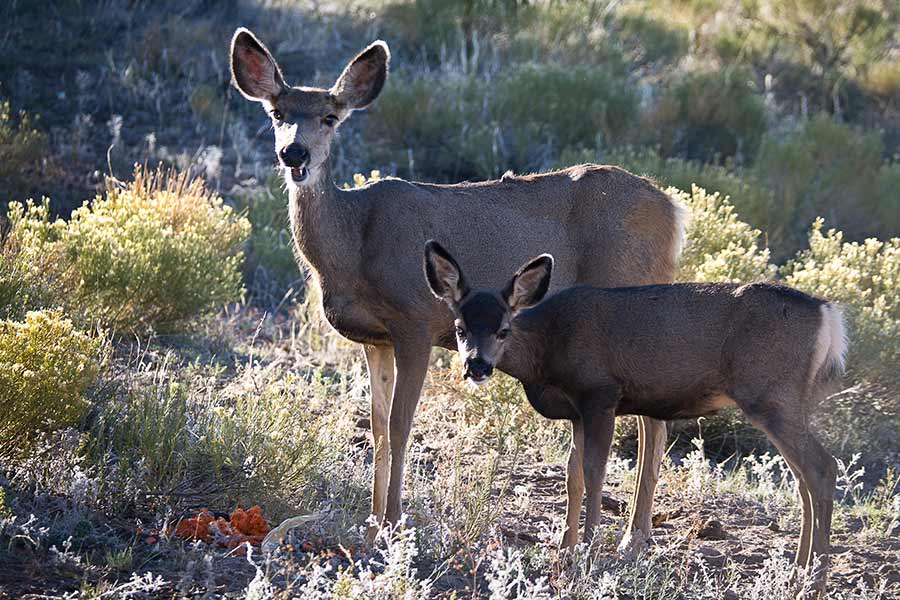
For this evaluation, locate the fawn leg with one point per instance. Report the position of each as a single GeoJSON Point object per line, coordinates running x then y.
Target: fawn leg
{"type": "Point", "coordinates": [651, 447]}
{"type": "Point", "coordinates": [598, 434]}
{"type": "Point", "coordinates": [574, 485]}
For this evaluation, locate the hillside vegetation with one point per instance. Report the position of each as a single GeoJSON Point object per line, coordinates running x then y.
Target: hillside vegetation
{"type": "Point", "coordinates": [161, 355]}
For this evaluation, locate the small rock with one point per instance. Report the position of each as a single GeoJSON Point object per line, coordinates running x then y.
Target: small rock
{"type": "Point", "coordinates": [754, 558]}
{"type": "Point", "coordinates": [773, 526]}
{"type": "Point", "coordinates": [613, 505]}
{"type": "Point", "coordinates": [659, 518]}
{"type": "Point", "coordinates": [712, 530]}
{"type": "Point", "coordinates": [730, 595]}
{"type": "Point", "coordinates": [712, 556]}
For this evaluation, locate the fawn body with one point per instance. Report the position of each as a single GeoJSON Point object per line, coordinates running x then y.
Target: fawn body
{"type": "Point", "coordinates": [363, 246]}
{"type": "Point", "coordinates": [662, 351]}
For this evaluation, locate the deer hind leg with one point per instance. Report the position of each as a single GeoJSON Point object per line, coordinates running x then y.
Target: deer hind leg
{"type": "Point", "coordinates": [574, 485]}
{"type": "Point", "coordinates": [598, 434]}
{"type": "Point", "coordinates": [651, 447]}
{"type": "Point", "coordinates": [380, 363]}
{"type": "Point", "coordinates": [411, 354]}
{"type": "Point", "coordinates": [816, 473]}
{"type": "Point", "coordinates": [803, 547]}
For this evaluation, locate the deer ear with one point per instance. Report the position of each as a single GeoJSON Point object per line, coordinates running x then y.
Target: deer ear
{"type": "Point", "coordinates": [256, 74]}
{"type": "Point", "coordinates": [530, 283]}
{"type": "Point", "coordinates": [363, 77]}
{"type": "Point", "coordinates": [443, 274]}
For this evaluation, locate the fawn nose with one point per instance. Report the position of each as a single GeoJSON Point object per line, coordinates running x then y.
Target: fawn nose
{"type": "Point", "coordinates": [294, 155]}
{"type": "Point", "coordinates": [478, 369]}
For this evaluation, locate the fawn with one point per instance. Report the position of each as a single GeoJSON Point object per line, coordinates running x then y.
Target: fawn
{"type": "Point", "coordinates": [663, 351]}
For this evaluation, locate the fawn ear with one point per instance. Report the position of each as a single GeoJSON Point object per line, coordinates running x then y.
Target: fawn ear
{"type": "Point", "coordinates": [530, 283]}
{"type": "Point", "coordinates": [443, 274]}
{"type": "Point", "coordinates": [363, 77]}
{"type": "Point", "coordinates": [256, 74]}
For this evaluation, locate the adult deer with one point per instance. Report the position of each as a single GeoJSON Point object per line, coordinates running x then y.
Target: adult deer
{"type": "Point", "coordinates": [363, 247]}
{"type": "Point", "coordinates": [663, 351]}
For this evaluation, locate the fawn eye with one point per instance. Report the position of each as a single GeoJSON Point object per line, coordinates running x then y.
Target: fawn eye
{"type": "Point", "coordinates": [503, 333]}
{"type": "Point", "coordinates": [460, 331]}
{"type": "Point", "coordinates": [330, 120]}
{"type": "Point", "coordinates": [277, 115]}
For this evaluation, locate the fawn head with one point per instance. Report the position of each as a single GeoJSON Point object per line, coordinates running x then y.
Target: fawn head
{"type": "Point", "coordinates": [305, 118]}
{"type": "Point", "coordinates": [484, 318]}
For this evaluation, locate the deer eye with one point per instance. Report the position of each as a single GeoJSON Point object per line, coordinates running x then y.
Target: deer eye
{"type": "Point", "coordinates": [503, 333]}
{"type": "Point", "coordinates": [330, 120]}
{"type": "Point", "coordinates": [277, 115]}
{"type": "Point", "coordinates": [460, 332]}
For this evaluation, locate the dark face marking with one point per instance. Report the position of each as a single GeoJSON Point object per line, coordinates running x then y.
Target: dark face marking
{"type": "Point", "coordinates": [482, 324]}
{"type": "Point", "coordinates": [483, 313]}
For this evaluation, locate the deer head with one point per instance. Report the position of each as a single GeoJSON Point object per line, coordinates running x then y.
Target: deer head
{"type": "Point", "coordinates": [484, 318]}
{"type": "Point", "coordinates": [305, 118]}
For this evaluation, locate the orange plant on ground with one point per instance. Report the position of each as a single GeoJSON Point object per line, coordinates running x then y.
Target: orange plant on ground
{"type": "Point", "coordinates": [241, 526]}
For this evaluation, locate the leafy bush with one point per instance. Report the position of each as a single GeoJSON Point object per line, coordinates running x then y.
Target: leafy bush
{"type": "Point", "coordinates": [571, 106]}
{"type": "Point", "coordinates": [27, 276]}
{"type": "Point", "coordinates": [652, 39]}
{"type": "Point", "coordinates": [21, 149]}
{"type": "Point", "coordinates": [719, 246]}
{"type": "Point", "coordinates": [145, 255]}
{"type": "Point", "coordinates": [865, 278]}
{"type": "Point", "coordinates": [46, 365]}
{"type": "Point", "coordinates": [827, 168]}
{"type": "Point", "coordinates": [468, 129]}
{"type": "Point", "coordinates": [450, 139]}
{"type": "Point", "coordinates": [709, 115]}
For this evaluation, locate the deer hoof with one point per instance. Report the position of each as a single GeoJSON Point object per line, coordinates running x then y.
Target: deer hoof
{"type": "Point", "coordinates": [634, 542]}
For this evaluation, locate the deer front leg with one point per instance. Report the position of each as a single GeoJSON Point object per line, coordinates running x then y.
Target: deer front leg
{"type": "Point", "coordinates": [651, 447]}
{"type": "Point", "coordinates": [411, 354]}
{"type": "Point", "coordinates": [598, 434]}
{"type": "Point", "coordinates": [574, 485]}
{"type": "Point", "coordinates": [380, 363]}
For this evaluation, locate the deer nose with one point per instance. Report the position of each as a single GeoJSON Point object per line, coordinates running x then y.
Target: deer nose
{"type": "Point", "coordinates": [294, 155]}
{"type": "Point", "coordinates": [478, 369]}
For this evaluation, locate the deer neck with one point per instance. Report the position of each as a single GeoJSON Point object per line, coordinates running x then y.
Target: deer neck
{"type": "Point", "coordinates": [326, 224]}
{"type": "Point", "coordinates": [525, 351]}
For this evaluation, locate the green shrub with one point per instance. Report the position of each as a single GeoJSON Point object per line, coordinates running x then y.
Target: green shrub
{"type": "Point", "coordinates": [709, 115]}
{"type": "Point", "coordinates": [828, 169]}
{"type": "Point", "coordinates": [431, 125]}
{"type": "Point", "coordinates": [46, 365]}
{"type": "Point", "coordinates": [447, 125]}
{"type": "Point", "coordinates": [719, 246]}
{"type": "Point", "coordinates": [146, 255]}
{"type": "Point", "coordinates": [29, 274]}
{"type": "Point", "coordinates": [21, 150]}
{"type": "Point", "coordinates": [571, 106]}
{"type": "Point", "coordinates": [865, 279]}
{"type": "Point", "coordinates": [651, 39]}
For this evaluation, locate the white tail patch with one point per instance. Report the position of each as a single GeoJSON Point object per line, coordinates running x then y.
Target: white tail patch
{"type": "Point", "coordinates": [831, 343]}
{"type": "Point", "coordinates": [682, 220]}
